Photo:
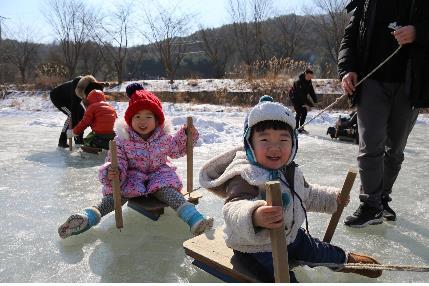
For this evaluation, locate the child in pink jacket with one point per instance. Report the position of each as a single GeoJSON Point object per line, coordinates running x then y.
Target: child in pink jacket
{"type": "Point", "coordinates": [143, 147]}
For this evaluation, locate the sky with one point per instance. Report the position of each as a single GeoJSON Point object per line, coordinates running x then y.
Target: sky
{"type": "Point", "coordinates": [28, 13]}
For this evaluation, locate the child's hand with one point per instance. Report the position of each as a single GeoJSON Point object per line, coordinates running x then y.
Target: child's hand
{"type": "Point", "coordinates": [111, 174]}
{"type": "Point", "coordinates": [192, 129]}
{"type": "Point", "coordinates": [345, 202]}
{"type": "Point", "coordinates": [268, 217]}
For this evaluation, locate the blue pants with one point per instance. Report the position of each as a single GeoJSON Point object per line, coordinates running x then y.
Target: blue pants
{"type": "Point", "coordinates": [304, 248]}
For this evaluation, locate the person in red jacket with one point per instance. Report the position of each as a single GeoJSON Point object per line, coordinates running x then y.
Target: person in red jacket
{"type": "Point", "coordinates": [100, 116]}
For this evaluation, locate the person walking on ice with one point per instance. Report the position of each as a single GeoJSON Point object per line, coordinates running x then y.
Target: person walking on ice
{"type": "Point", "coordinates": [143, 145]}
{"type": "Point", "coordinates": [303, 97]}
{"type": "Point", "coordinates": [270, 146]}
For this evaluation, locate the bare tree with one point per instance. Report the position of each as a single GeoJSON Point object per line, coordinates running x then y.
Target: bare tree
{"type": "Point", "coordinates": [134, 61]}
{"type": "Point", "coordinates": [91, 58]}
{"type": "Point", "coordinates": [217, 47]}
{"type": "Point", "coordinates": [248, 28]}
{"type": "Point", "coordinates": [330, 20]}
{"type": "Point", "coordinates": [73, 22]}
{"type": "Point", "coordinates": [1, 25]}
{"type": "Point", "coordinates": [261, 10]}
{"type": "Point", "coordinates": [22, 51]}
{"type": "Point", "coordinates": [115, 32]}
{"type": "Point", "coordinates": [242, 33]}
{"type": "Point", "coordinates": [290, 29]}
{"type": "Point", "coordinates": [165, 33]}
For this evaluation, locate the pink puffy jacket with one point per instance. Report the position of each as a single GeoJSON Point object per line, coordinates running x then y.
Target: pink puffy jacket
{"type": "Point", "coordinates": [143, 165]}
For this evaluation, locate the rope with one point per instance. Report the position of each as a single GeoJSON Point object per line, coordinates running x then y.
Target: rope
{"type": "Point", "coordinates": [344, 95]}
{"type": "Point", "coordinates": [389, 267]}
{"type": "Point", "coordinates": [189, 193]}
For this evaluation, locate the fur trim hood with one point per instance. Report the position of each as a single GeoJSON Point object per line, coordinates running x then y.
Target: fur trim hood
{"type": "Point", "coordinates": [220, 169]}
{"type": "Point", "coordinates": [88, 83]}
{"type": "Point", "coordinates": [82, 84]}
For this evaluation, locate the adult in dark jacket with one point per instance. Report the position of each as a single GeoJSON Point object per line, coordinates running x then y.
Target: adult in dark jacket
{"type": "Point", "coordinates": [67, 98]}
{"type": "Point", "coordinates": [387, 100]}
{"type": "Point", "coordinates": [64, 98]}
{"type": "Point", "coordinates": [299, 95]}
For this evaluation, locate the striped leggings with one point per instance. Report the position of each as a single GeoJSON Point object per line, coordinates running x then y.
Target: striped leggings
{"type": "Point", "coordinates": [170, 196]}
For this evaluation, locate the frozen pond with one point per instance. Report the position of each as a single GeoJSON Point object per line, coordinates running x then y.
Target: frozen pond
{"type": "Point", "coordinates": [42, 185]}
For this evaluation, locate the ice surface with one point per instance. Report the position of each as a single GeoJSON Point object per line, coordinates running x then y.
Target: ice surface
{"type": "Point", "coordinates": [42, 185]}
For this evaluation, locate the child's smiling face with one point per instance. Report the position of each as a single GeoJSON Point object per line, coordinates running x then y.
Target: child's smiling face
{"type": "Point", "coordinates": [144, 123]}
{"type": "Point", "coordinates": [272, 148]}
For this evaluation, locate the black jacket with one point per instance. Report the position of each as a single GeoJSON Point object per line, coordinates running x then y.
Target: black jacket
{"type": "Point", "coordinates": [300, 90]}
{"type": "Point", "coordinates": [64, 95]}
{"type": "Point", "coordinates": [354, 48]}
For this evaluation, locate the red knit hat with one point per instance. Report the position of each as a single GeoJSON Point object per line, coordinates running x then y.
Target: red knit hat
{"type": "Point", "coordinates": [143, 99]}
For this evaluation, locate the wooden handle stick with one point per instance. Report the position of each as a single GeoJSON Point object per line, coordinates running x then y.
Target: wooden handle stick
{"type": "Point", "coordinates": [345, 191]}
{"type": "Point", "coordinates": [71, 144]}
{"type": "Point", "coordinates": [189, 157]}
{"type": "Point", "coordinates": [116, 186]}
{"type": "Point", "coordinates": [278, 239]}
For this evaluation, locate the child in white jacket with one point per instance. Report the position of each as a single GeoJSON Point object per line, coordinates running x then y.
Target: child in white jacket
{"type": "Point", "coordinates": [270, 146]}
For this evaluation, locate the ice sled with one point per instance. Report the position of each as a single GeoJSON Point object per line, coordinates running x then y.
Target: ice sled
{"type": "Point", "coordinates": [211, 254]}
{"type": "Point", "coordinates": [345, 129]}
{"type": "Point", "coordinates": [150, 206]}
{"type": "Point", "coordinates": [153, 208]}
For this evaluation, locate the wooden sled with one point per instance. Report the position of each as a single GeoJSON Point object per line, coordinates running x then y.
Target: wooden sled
{"type": "Point", "coordinates": [211, 255]}
{"type": "Point", "coordinates": [152, 207]}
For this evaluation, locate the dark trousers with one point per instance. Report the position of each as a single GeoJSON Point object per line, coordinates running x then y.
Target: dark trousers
{"type": "Point", "coordinates": [385, 119]}
{"type": "Point", "coordinates": [301, 114]}
{"type": "Point", "coordinates": [304, 249]}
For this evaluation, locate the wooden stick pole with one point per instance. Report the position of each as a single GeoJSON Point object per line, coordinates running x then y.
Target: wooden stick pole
{"type": "Point", "coordinates": [189, 158]}
{"type": "Point", "coordinates": [116, 186]}
{"type": "Point", "coordinates": [71, 144]}
{"type": "Point", "coordinates": [278, 239]}
{"type": "Point", "coordinates": [345, 191]}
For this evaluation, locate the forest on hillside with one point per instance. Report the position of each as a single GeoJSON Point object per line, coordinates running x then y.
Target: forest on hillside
{"type": "Point", "coordinates": [255, 44]}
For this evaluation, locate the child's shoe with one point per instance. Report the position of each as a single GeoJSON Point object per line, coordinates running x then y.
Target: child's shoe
{"type": "Point", "coordinates": [362, 259]}
{"type": "Point", "coordinates": [80, 222]}
{"type": "Point", "coordinates": [196, 221]}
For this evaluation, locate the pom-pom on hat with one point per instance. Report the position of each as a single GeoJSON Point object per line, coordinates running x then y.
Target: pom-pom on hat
{"type": "Point", "coordinates": [132, 87]}
{"type": "Point", "coordinates": [143, 99]}
{"type": "Point", "coordinates": [268, 110]}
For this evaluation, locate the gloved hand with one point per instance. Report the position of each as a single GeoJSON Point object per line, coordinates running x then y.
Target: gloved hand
{"type": "Point", "coordinates": [70, 133]}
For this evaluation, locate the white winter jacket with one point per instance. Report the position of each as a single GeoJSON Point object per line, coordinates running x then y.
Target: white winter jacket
{"type": "Point", "coordinates": [239, 230]}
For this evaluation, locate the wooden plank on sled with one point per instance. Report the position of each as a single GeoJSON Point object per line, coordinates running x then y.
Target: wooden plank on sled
{"type": "Point", "coordinates": [153, 208]}
{"type": "Point", "coordinates": [211, 254]}
{"type": "Point", "coordinates": [92, 150]}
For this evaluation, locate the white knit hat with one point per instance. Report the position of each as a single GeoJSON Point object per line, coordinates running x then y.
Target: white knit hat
{"type": "Point", "coordinates": [268, 110]}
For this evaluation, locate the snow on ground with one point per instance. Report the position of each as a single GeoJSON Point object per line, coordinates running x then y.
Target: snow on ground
{"type": "Point", "coordinates": [42, 185]}
{"type": "Point", "coordinates": [321, 86]}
